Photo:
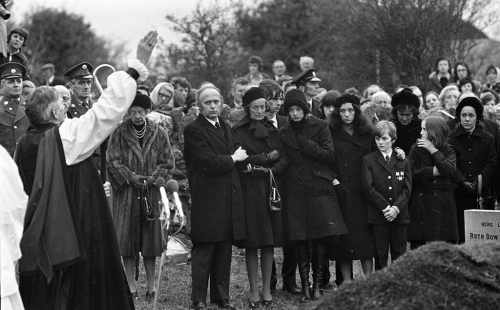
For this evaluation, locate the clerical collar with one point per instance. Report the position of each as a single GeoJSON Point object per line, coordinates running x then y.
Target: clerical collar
{"type": "Point", "coordinates": [213, 122]}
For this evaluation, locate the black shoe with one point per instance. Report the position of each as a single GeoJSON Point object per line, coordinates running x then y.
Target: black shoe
{"type": "Point", "coordinates": [226, 305]}
{"type": "Point", "coordinates": [292, 289]}
{"type": "Point", "coordinates": [199, 306]}
{"type": "Point", "coordinates": [253, 304]}
{"type": "Point", "coordinates": [150, 296]}
{"type": "Point", "coordinates": [267, 303]}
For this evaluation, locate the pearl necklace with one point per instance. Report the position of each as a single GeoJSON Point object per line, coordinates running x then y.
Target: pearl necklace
{"type": "Point", "coordinates": [141, 132]}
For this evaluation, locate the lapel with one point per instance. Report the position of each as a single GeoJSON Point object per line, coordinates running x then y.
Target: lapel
{"type": "Point", "coordinates": [386, 165]}
{"type": "Point", "coordinates": [218, 139]}
{"type": "Point", "coordinates": [20, 113]}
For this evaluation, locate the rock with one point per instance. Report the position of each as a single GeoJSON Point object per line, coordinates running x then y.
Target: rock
{"type": "Point", "coordinates": [435, 276]}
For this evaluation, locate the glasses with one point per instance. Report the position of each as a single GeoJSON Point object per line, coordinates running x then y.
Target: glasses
{"type": "Point", "coordinates": [164, 96]}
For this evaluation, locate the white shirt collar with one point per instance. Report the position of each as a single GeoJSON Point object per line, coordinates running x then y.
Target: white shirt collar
{"type": "Point", "coordinates": [274, 120]}
{"type": "Point", "coordinates": [213, 122]}
{"type": "Point", "coordinates": [389, 153]}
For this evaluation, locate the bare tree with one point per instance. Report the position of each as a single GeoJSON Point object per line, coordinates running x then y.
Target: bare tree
{"type": "Point", "coordinates": [207, 44]}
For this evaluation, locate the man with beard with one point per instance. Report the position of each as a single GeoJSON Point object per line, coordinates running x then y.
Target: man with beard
{"type": "Point", "coordinates": [70, 253]}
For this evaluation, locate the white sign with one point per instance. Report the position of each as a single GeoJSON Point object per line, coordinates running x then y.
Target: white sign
{"type": "Point", "coordinates": [482, 225]}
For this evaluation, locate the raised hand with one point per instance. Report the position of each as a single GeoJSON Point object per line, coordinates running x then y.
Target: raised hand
{"type": "Point", "coordinates": [146, 46]}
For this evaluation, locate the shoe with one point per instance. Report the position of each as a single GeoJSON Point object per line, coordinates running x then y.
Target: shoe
{"type": "Point", "coordinates": [267, 303]}
{"type": "Point", "coordinates": [199, 306]}
{"type": "Point", "coordinates": [291, 288]}
{"type": "Point", "coordinates": [226, 305]}
{"type": "Point", "coordinates": [150, 296]}
{"type": "Point", "coordinates": [253, 304]}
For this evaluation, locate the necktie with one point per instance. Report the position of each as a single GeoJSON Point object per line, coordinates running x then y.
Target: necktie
{"type": "Point", "coordinates": [217, 125]}
{"type": "Point", "coordinates": [387, 158]}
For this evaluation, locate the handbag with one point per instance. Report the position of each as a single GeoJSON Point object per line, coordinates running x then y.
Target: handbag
{"type": "Point", "coordinates": [147, 208]}
{"type": "Point", "coordinates": [274, 194]}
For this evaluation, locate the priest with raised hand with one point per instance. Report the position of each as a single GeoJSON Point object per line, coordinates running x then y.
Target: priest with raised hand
{"type": "Point", "coordinates": [70, 257]}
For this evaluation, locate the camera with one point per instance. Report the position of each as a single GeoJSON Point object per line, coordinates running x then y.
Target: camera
{"type": "Point", "coordinates": [4, 12]}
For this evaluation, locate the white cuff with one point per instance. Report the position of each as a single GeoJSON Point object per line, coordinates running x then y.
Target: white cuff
{"type": "Point", "coordinates": [139, 67]}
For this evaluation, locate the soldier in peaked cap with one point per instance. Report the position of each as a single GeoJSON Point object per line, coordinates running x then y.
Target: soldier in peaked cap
{"type": "Point", "coordinates": [13, 120]}
{"type": "Point", "coordinates": [80, 80]}
{"type": "Point", "coordinates": [308, 83]}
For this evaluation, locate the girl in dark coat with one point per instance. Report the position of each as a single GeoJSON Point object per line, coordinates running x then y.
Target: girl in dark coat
{"type": "Point", "coordinates": [311, 207]}
{"type": "Point", "coordinates": [433, 214]}
{"type": "Point", "coordinates": [353, 138]}
{"type": "Point", "coordinates": [405, 113]}
{"type": "Point", "coordinates": [476, 157]}
{"type": "Point", "coordinates": [263, 226]}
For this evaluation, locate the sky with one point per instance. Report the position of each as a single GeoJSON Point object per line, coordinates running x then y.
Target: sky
{"type": "Point", "coordinates": [128, 20]}
{"type": "Point", "coordinates": [118, 20]}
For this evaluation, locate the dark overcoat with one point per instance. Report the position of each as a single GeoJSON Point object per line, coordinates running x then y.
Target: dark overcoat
{"type": "Point", "coordinates": [217, 209]}
{"type": "Point", "coordinates": [433, 214]}
{"type": "Point", "coordinates": [349, 152]}
{"type": "Point", "coordinates": [386, 183]}
{"type": "Point", "coordinates": [126, 157]}
{"type": "Point", "coordinates": [476, 154]}
{"type": "Point", "coordinates": [311, 204]}
{"type": "Point", "coordinates": [13, 122]}
{"type": "Point", "coordinates": [258, 138]}
{"type": "Point", "coordinates": [407, 135]}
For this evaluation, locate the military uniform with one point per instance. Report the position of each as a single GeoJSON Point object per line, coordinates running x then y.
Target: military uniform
{"type": "Point", "coordinates": [301, 80]}
{"type": "Point", "coordinates": [78, 107]}
{"type": "Point", "coordinates": [13, 120]}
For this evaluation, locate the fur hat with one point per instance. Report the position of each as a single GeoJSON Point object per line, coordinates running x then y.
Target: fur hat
{"type": "Point", "coordinates": [297, 98]}
{"type": "Point", "coordinates": [142, 101]}
{"type": "Point", "coordinates": [405, 97]}
{"type": "Point", "coordinates": [470, 101]}
{"type": "Point", "coordinates": [346, 98]}
{"type": "Point", "coordinates": [253, 93]}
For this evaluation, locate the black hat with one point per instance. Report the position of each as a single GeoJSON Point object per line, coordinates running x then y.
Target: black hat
{"type": "Point", "coordinates": [253, 93]}
{"type": "Point", "coordinates": [20, 31]}
{"type": "Point", "coordinates": [142, 101]}
{"type": "Point", "coordinates": [79, 71]}
{"type": "Point", "coordinates": [346, 98]}
{"type": "Point", "coordinates": [295, 97]}
{"type": "Point", "coordinates": [12, 69]}
{"type": "Point", "coordinates": [470, 101]}
{"type": "Point", "coordinates": [405, 97]}
{"type": "Point", "coordinates": [306, 76]}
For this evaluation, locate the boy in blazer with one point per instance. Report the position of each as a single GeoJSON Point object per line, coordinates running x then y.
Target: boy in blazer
{"type": "Point", "coordinates": [387, 183]}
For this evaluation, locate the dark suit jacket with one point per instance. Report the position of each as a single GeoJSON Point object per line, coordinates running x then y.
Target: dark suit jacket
{"type": "Point", "coordinates": [386, 183]}
{"type": "Point", "coordinates": [217, 206]}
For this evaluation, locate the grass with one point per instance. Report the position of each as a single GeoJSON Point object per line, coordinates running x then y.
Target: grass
{"type": "Point", "coordinates": [175, 286]}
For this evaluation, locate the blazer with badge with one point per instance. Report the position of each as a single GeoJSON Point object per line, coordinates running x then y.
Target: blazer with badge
{"type": "Point", "coordinates": [217, 212]}
{"type": "Point", "coordinates": [13, 122]}
{"type": "Point", "coordinates": [386, 183]}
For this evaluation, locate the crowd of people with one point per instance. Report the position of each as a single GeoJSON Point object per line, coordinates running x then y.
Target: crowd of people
{"type": "Point", "coordinates": [326, 175]}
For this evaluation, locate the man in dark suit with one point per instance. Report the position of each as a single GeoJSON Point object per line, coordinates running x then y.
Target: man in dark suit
{"type": "Point", "coordinates": [217, 207]}
{"type": "Point", "coordinates": [308, 83]}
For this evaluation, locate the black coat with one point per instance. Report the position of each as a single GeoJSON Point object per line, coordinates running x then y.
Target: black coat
{"type": "Point", "coordinates": [310, 202]}
{"type": "Point", "coordinates": [349, 152]}
{"type": "Point", "coordinates": [263, 227]}
{"type": "Point", "coordinates": [386, 183]}
{"type": "Point", "coordinates": [407, 135]}
{"type": "Point", "coordinates": [433, 214]}
{"type": "Point", "coordinates": [217, 208]}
